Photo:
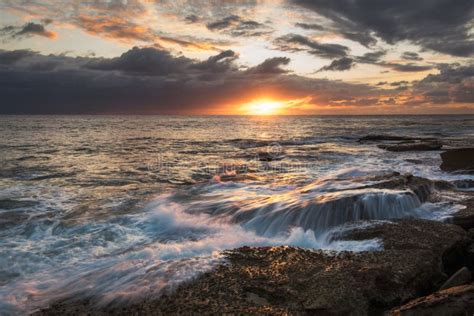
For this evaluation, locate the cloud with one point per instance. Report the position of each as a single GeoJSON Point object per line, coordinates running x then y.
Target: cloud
{"type": "Point", "coordinates": [36, 29]}
{"type": "Point", "coordinates": [411, 56]}
{"type": "Point", "coordinates": [224, 23]}
{"type": "Point", "coordinates": [122, 28]}
{"type": "Point", "coordinates": [454, 83]}
{"type": "Point", "coordinates": [191, 18]}
{"type": "Point", "coordinates": [339, 65]}
{"type": "Point", "coordinates": [440, 25]}
{"type": "Point", "coordinates": [410, 67]}
{"type": "Point", "coordinates": [306, 26]}
{"type": "Point", "coordinates": [296, 42]}
{"type": "Point", "coordinates": [371, 57]}
{"type": "Point", "coordinates": [27, 30]}
{"type": "Point", "coordinates": [270, 66]}
{"type": "Point", "coordinates": [10, 57]}
{"type": "Point", "coordinates": [236, 26]}
{"type": "Point", "coordinates": [374, 58]}
{"type": "Point", "coordinates": [151, 80]}
{"type": "Point", "coordinates": [143, 61]}
{"type": "Point", "coordinates": [222, 62]}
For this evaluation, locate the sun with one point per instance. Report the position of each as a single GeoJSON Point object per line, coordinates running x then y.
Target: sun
{"type": "Point", "coordinates": [263, 107]}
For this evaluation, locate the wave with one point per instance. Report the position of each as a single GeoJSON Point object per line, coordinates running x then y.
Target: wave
{"type": "Point", "coordinates": [136, 256]}
{"type": "Point", "coordinates": [176, 237]}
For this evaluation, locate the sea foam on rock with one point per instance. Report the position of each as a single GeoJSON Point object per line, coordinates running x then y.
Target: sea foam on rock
{"type": "Point", "coordinates": [417, 256]}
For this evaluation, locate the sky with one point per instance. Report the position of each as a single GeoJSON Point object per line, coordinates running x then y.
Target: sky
{"type": "Point", "coordinates": [292, 57]}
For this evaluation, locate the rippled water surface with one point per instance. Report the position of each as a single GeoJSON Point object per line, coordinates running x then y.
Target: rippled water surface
{"type": "Point", "coordinates": [120, 207]}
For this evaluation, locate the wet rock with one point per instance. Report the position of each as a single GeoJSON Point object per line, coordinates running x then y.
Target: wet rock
{"type": "Point", "coordinates": [420, 186]}
{"type": "Point", "coordinates": [443, 185]}
{"type": "Point", "coordinates": [268, 156]}
{"type": "Point", "coordinates": [470, 254]}
{"type": "Point", "coordinates": [464, 184]}
{"type": "Point", "coordinates": [457, 300]}
{"type": "Point", "coordinates": [411, 147]}
{"type": "Point", "coordinates": [460, 159]}
{"type": "Point", "coordinates": [464, 217]}
{"type": "Point", "coordinates": [461, 277]}
{"type": "Point", "coordinates": [287, 280]}
{"type": "Point", "coordinates": [400, 196]}
{"type": "Point", "coordinates": [387, 138]}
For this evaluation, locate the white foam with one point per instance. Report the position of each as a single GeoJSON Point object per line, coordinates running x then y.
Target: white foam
{"type": "Point", "coordinates": [152, 252]}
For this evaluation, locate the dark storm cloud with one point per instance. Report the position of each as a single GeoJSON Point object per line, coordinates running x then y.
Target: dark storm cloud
{"type": "Point", "coordinates": [411, 56]}
{"type": "Point", "coordinates": [27, 30]}
{"type": "Point", "coordinates": [339, 65]}
{"type": "Point", "coordinates": [296, 42]}
{"type": "Point", "coordinates": [149, 80]}
{"type": "Point", "coordinates": [145, 61]}
{"type": "Point", "coordinates": [153, 62]}
{"type": "Point", "coordinates": [440, 25]}
{"type": "Point", "coordinates": [236, 26]}
{"type": "Point", "coordinates": [219, 63]}
{"type": "Point", "coordinates": [10, 57]}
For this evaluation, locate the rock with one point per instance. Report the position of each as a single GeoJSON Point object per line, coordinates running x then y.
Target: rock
{"type": "Point", "coordinates": [387, 138]}
{"type": "Point", "coordinates": [287, 280]}
{"type": "Point", "coordinates": [464, 217]}
{"type": "Point", "coordinates": [461, 159]}
{"type": "Point", "coordinates": [268, 156]}
{"type": "Point", "coordinates": [470, 254]}
{"type": "Point", "coordinates": [463, 276]}
{"type": "Point", "coordinates": [420, 186]}
{"type": "Point", "coordinates": [411, 147]}
{"type": "Point", "coordinates": [457, 300]}
{"type": "Point", "coordinates": [464, 184]}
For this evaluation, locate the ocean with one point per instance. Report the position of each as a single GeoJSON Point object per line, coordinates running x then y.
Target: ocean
{"type": "Point", "coordinates": [119, 208]}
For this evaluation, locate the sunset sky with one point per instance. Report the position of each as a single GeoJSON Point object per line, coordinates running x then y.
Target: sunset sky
{"type": "Point", "coordinates": [237, 57]}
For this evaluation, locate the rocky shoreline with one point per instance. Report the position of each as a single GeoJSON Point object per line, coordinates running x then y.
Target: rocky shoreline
{"type": "Point", "coordinates": [424, 268]}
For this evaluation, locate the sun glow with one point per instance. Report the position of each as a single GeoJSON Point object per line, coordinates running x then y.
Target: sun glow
{"type": "Point", "coordinates": [263, 107]}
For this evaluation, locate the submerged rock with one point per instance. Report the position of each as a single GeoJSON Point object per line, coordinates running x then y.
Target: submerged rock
{"type": "Point", "coordinates": [460, 159]}
{"type": "Point", "coordinates": [391, 196]}
{"type": "Point", "coordinates": [416, 256]}
{"type": "Point", "coordinates": [269, 156]}
{"type": "Point", "coordinates": [387, 138]}
{"type": "Point", "coordinates": [412, 147]}
{"type": "Point", "coordinates": [457, 300]}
